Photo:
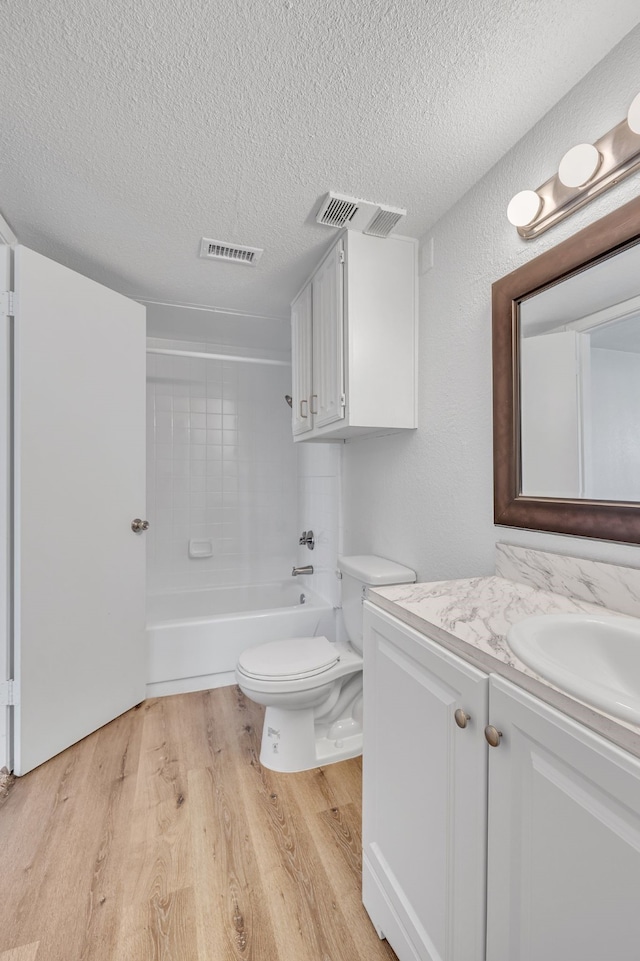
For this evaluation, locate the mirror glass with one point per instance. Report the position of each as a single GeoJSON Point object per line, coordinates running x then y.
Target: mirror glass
{"type": "Point", "coordinates": [579, 384]}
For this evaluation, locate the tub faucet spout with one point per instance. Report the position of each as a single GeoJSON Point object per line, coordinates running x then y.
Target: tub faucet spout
{"type": "Point", "coordinates": [308, 569]}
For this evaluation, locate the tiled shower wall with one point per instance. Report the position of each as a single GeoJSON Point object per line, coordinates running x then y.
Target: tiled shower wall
{"type": "Point", "coordinates": [319, 509]}
{"type": "Point", "coordinates": [221, 465]}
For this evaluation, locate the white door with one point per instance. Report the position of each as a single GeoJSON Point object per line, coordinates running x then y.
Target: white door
{"type": "Point", "coordinates": [328, 340]}
{"type": "Point", "coordinates": [301, 346]}
{"type": "Point", "coordinates": [5, 516]}
{"type": "Point", "coordinates": [79, 369]}
{"type": "Point", "coordinates": [424, 794]}
{"type": "Point", "coordinates": [564, 837]}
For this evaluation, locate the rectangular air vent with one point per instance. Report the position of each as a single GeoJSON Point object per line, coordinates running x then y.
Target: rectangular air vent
{"type": "Point", "coordinates": [231, 253]}
{"type": "Point", "coordinates": [337, 210]}
{"type": "Point", "coordinates": [384, 221]}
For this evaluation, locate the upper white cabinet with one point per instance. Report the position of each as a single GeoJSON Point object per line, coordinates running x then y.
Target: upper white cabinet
{"type": "Point", "coordinates": [354, 338]}
{"type": "Point", "coordinates": [301, 334]}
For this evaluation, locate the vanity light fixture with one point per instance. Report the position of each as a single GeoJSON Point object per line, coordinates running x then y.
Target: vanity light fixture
{"type": "Point", "coordinates": [585, 171]}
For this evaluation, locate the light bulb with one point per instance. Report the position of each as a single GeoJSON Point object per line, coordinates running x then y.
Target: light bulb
{"type": "Point", "coordinates": [633, 116]}
{"type": "Point", "coordinates": [524, 208]}
{"type": "Point", "coordinates": [579, 165]}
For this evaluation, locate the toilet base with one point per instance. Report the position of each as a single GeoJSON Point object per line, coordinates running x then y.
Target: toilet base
{"type": "Point", "coordinates": [291, 743]}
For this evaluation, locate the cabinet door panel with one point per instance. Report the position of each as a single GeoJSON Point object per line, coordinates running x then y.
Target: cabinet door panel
{"type": "Point", "coordinates": [424, 809]}
{"type": "Point", "coordinates": [301, 345]}
{"type": "Point", "coordinates": [564, 838]}
{"type": "Point", "coordinates": [328, 340]}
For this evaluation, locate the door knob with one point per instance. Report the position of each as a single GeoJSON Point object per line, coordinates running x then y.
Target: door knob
{"type": "Point", "coordinates": [492, 735]}
{"type": "Point", "coordinates": [461, 718]}
{"type": "Point", "coordinates": [138, 525]}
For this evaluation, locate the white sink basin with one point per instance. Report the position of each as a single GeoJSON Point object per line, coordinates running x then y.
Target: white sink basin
{"type": "Point", "coordinates": [594, 657]}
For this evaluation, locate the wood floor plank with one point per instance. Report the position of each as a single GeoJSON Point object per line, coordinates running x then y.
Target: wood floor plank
{"type": "Point", "coordinates": [343, 782]}
{"type": "Point", "coordinates": [157, 870]}
{"type": "Point", "coordinates": [71, 849]}
{"type": "Point", "coordinates": [118, 749]}
{"type": "Point", "coordinates": [233, 920]}
{"type": "Point", "coordinates": [56, 864]}
{"type": "Point", "coordinates": [276, 809]}
{"type": "Point", "coordinates": [162, 838]}
{"type": "Point", "coordinates": [27, 952]}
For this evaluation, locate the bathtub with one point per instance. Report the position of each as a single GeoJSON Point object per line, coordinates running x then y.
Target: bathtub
{"type": "Point", "coordinates": [194, 638]}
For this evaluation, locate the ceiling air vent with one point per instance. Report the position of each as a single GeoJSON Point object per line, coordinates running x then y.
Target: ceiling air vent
{"type": "Point", "coordinates": [231, 253]}
{"type": "Point", "coordinates": [337, 210]}
{"type": "Point", "coordinates": [384, 221]}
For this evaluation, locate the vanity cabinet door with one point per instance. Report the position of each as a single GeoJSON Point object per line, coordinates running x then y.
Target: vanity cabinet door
{"type": "Point", "coordinates": [564, 838]}
{"type": "Point", "coordinates": [425, 790]}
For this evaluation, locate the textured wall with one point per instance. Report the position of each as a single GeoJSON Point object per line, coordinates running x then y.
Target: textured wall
{"type": "Point", "coordinates": [425, 499]}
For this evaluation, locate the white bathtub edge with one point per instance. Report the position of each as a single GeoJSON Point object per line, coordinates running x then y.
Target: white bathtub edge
{"type": "Point", "coordinates": [195, 652]}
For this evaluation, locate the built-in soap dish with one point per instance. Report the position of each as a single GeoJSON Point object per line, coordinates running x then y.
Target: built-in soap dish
{"type": "Point", "coordinates": [200, 548]}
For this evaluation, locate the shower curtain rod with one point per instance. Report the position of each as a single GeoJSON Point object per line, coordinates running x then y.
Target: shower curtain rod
{"type": "Point", "coordinates": [236, 358]}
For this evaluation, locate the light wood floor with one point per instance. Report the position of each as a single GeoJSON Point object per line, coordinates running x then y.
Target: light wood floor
{"type": "Point", "coordinates": [161, 838]}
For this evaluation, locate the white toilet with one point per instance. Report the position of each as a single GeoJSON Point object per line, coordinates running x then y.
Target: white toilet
{"type": "Point", "coordinates": [312, 687]}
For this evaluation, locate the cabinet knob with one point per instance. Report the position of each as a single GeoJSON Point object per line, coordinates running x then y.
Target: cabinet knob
{"type": "Point", "coordinates": [461, 718]}
{"type": "Point", "coordinates": [492, 735]}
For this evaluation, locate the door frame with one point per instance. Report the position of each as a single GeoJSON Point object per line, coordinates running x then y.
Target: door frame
{"type": "Point", "coordinates": [7, 241]}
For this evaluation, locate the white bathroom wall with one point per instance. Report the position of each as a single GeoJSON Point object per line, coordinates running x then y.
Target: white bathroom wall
{"type": "Point", "coordinates": [319, 510]}
{"type": "Point", "coordinates": [426, 498]}
{"type": "Point", "coordinates": [221, 466]}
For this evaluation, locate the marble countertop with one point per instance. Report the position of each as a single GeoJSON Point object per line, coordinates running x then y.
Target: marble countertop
{"type": "Point", "coordinates": [470, 617]}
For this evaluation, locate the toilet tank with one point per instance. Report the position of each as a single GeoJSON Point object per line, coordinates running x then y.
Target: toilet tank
{"type": "Point", "coordinates": [361, 571]}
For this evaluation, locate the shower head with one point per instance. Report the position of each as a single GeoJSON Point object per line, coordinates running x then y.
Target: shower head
{"type": "Point", "coordinates": [289, 399]}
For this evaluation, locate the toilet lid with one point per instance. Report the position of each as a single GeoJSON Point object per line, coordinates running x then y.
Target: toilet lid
{"type": "Point", "coordinates": [291, 658]}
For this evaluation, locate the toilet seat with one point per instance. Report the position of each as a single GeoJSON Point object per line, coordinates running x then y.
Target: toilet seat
{"type": "Point", "coordinates": [289, 660]}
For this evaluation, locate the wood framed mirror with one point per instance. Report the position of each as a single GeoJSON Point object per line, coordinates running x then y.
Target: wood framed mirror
{"type": "Point", "coordinates": [566, 385]}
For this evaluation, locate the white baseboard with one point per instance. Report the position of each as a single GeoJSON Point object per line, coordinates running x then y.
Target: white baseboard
{"type": "Point", "coordinates": [186, 685]}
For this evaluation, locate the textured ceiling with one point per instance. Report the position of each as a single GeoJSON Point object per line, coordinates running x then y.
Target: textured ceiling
{"type": "Point", "coordinates": [131, 128]}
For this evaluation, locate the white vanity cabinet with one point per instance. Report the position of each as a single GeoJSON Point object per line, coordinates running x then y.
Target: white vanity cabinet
{"type": "Point", "coordinates": [564, 837]}
{"type": "Point", "coordinates": [354, 333]}
{"type": "Point", "coordinates": [425, 794]}
{"type": "Point", "coordinates": [551, 864]}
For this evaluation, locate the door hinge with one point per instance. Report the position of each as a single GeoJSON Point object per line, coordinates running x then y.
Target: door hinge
{"type": "Point", "coordinates": [6, 693]}
{"type": "Point", "coordinates": [343, 400]}
{"type": "Point", "coordinates": [7, 303]}
{"type": "Point", "coordinates": [341, 257]}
